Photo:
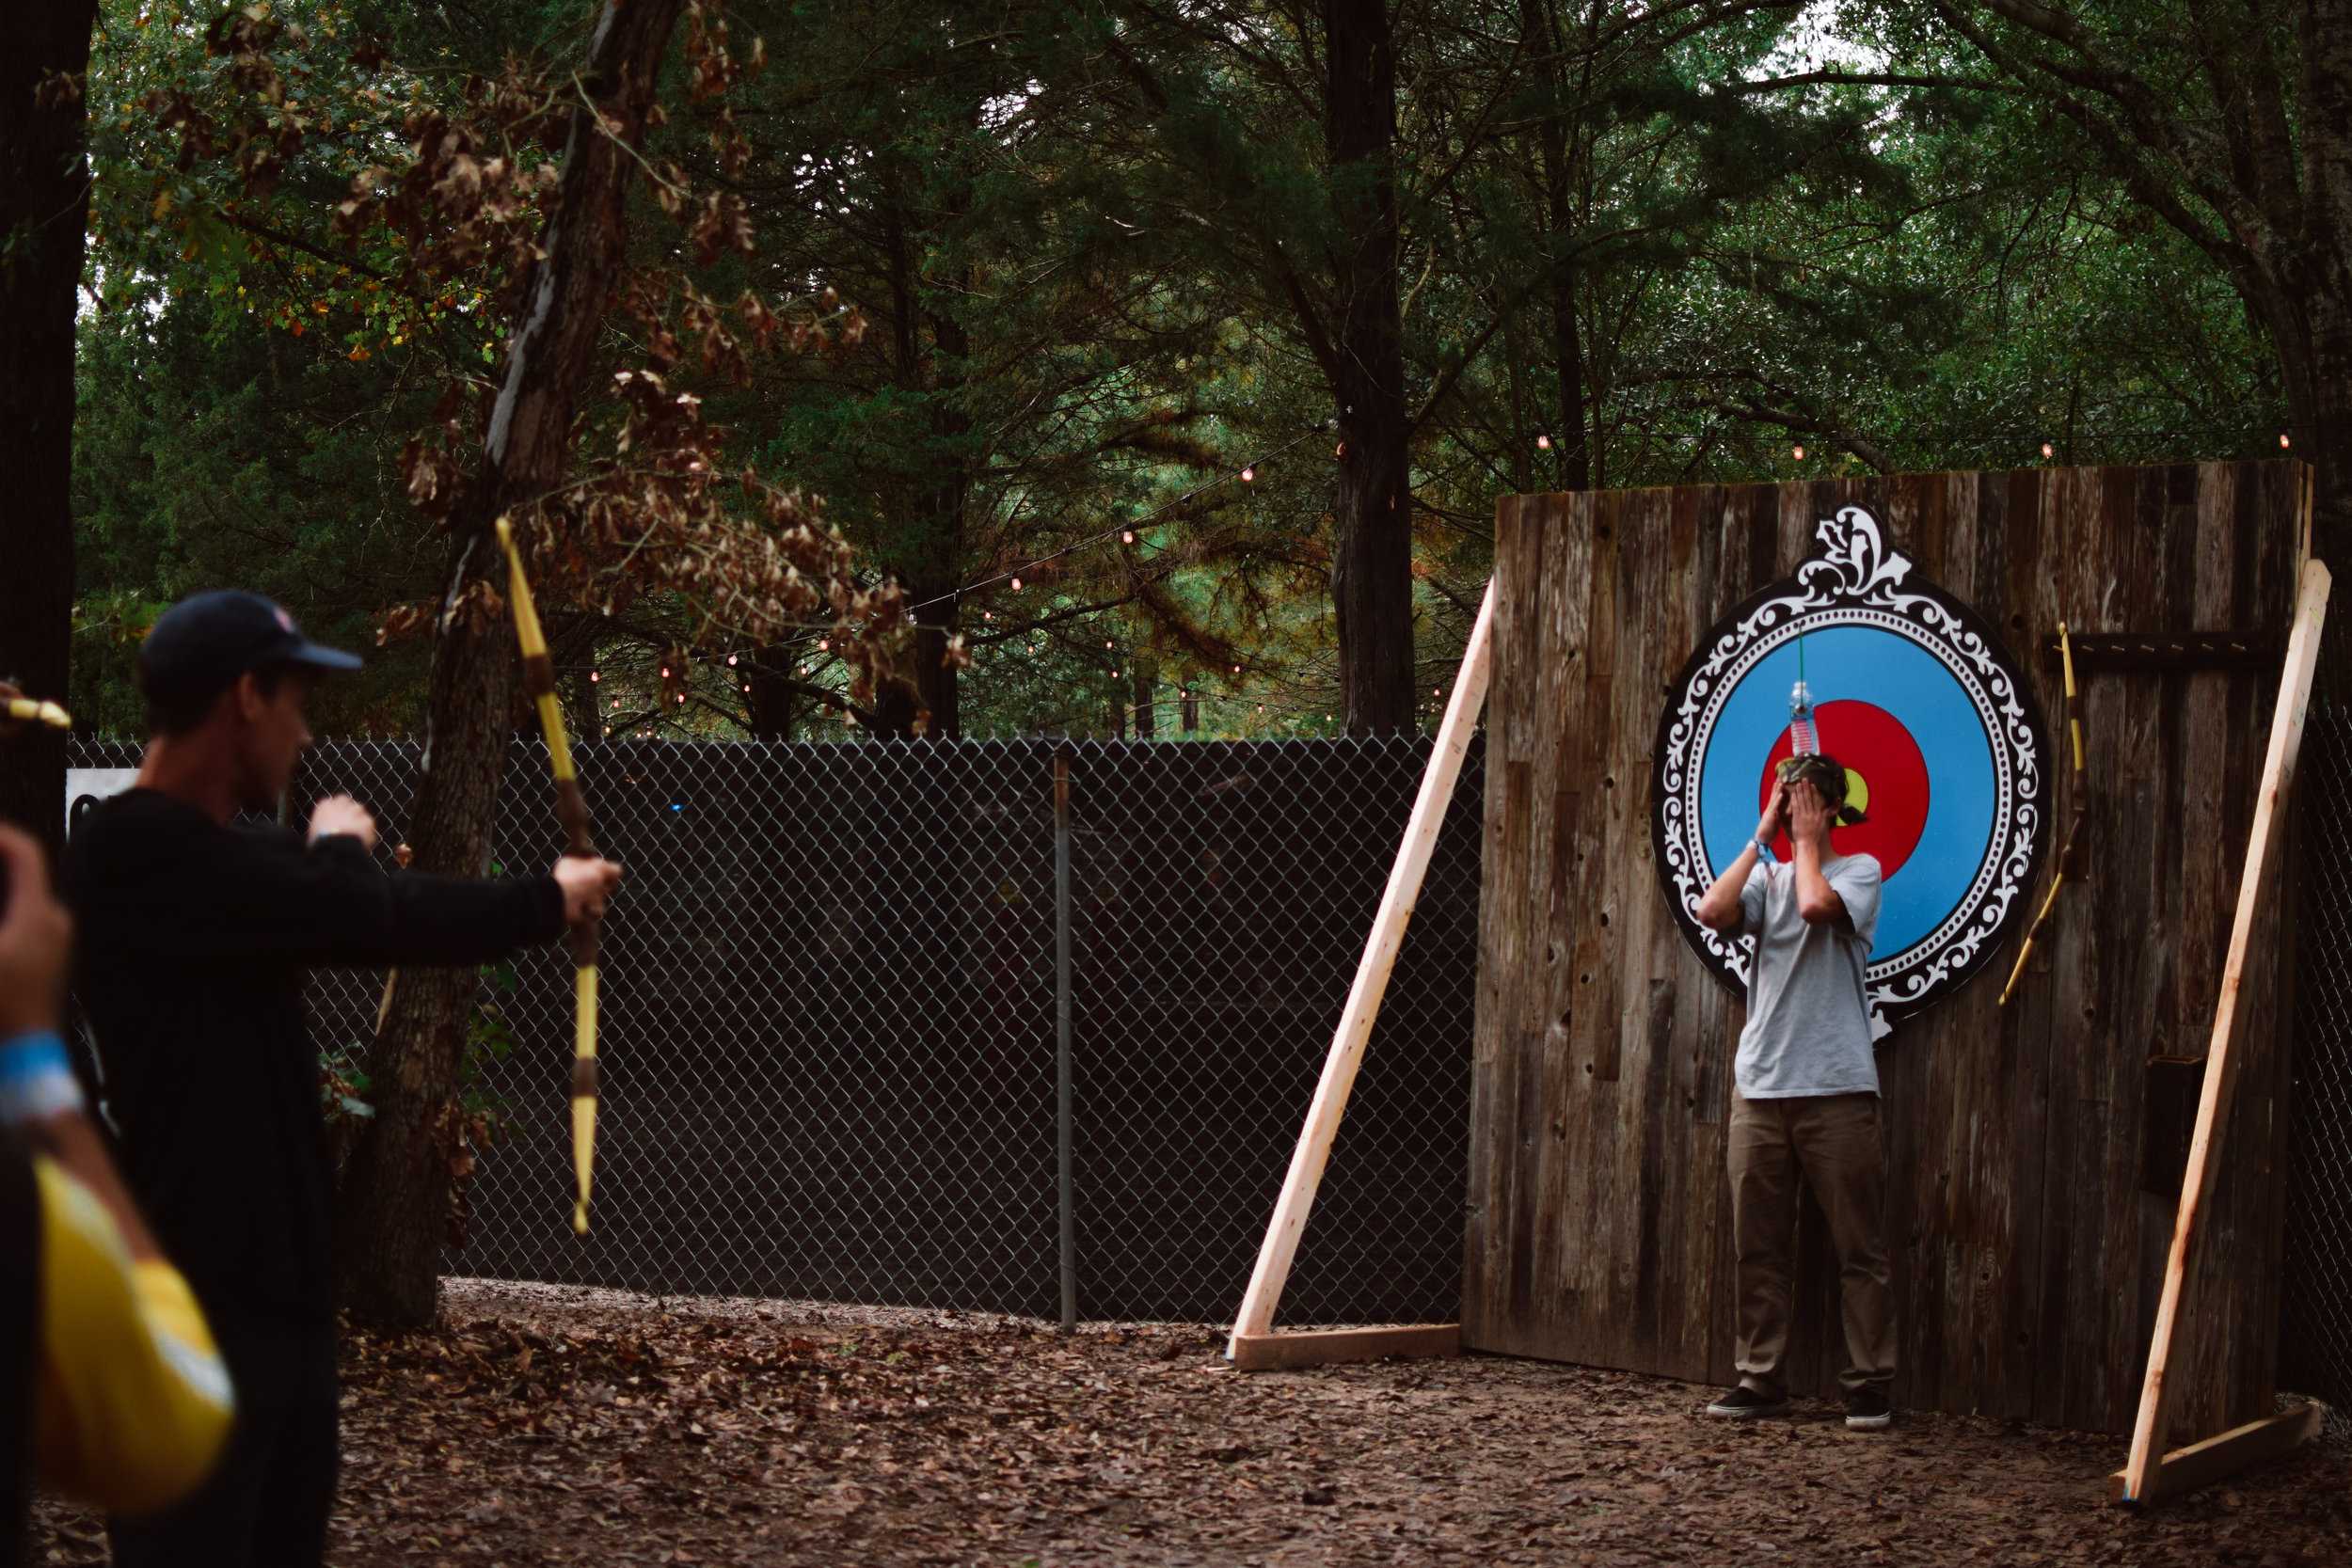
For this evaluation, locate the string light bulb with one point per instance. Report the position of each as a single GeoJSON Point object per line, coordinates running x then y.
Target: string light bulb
{"type": "Point", "coordinates": [594, 675]}
{"type": "Point", "coordinates": [1249, 473]}
{"type": "Point", "coordinates": [824, 644]}
{"type": "Point", "coordinates": [2283, 443]}
{"type": "Point", "coordinates": [681, 699]}
{"type": "Point", "coordinates": [666, 671]}
{"type": "Point", "coordinates": [2048, 450]}
{"type": "Point", "coordinates": [1339, 451]}
{"type": "Point", "coordinates": [1543, 443]}
{"type": "Point", "coordinates": [730, 661]}
{"type": "Point", "coordinates": [1797, 452]}
{"type": "Point", "coordinates": [1126, 536]}
{"type": "Point", "coordinates": [616, 705]}
{"type": "Point", "coordinates": [1016, 585]}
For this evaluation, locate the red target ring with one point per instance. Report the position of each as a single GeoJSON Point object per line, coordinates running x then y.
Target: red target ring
{"type": "Point", "coordinates": [1886, 775]}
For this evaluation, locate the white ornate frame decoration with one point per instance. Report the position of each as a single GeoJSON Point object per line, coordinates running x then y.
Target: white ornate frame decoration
{"type": "Point", "coordinates": [1855, 579]}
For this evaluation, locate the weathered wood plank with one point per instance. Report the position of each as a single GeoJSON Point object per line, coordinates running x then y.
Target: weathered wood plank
{"type": "Point", "coordinates": [1555, 733]}
{"type": "Point", "coordinates": [1494, 1170]}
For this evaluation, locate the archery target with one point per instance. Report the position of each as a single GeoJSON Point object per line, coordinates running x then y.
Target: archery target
{"type": "Point", "coordinates": [1933, 724]}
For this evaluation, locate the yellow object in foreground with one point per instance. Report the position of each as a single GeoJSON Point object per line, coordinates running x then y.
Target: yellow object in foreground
{"type": "Point", "coordinates": [134, 1405]}
{"type": "Point", "coordinates": [39, 712]}
{"type": "Point", "coordinates": [571, 807]}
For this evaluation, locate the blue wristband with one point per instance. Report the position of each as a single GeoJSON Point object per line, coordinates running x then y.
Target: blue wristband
{"type": "Point", "coordinates": [35, 1078]}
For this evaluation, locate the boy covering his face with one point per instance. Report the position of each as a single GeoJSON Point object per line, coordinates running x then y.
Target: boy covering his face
{"type": "Point", "coordinates": [1808, 1103]}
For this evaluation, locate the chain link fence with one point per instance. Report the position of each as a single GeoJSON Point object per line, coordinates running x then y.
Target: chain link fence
{"type": "Point", "coordinates": [830, 1027]}
{"type": "Point", "coordinates": [830, 1023]}
{"type": "Point", "coordinates": [2315, 1333]}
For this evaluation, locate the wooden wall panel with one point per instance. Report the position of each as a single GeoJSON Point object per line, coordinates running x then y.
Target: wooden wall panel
{"type": "Point", "coordinates": [2032, 1186]}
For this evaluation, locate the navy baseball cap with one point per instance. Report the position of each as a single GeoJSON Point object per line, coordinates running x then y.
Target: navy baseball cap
{"type": "Point", "coordinates": [201, 644]}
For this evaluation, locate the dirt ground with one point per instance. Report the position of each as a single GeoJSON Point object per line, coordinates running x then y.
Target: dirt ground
{"type": "Point", "coordinates": [555, 1425]}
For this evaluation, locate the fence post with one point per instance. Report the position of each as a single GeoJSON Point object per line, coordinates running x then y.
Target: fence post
{"type": "Point", "coordinates": [1061, 1035]}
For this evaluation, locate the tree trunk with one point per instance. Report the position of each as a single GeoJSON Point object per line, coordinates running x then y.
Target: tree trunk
{"type": "Point", "coordinates": [1145, 669]}
{"type": "Point", "coordinates": [934, 697]}
{"type": "Point", "coordinates": [2322, 406]}
{"type": "Point", "coordinates": [1372, 562]}
{"type": "Point", "coordinates": [1541, 36]}
{"type": "Point", "coordinates": [772, 702]}
{"type": "Point", "coordinates": [942, 556]}
{"type": "Point", "coordinates": [44, 204]}
{"type": "Point", "coordinates": [396, 1195]}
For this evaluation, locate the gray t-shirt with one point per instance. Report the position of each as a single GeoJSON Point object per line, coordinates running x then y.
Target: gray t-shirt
{"type": "Point", "coordinates": [1808, 1027]}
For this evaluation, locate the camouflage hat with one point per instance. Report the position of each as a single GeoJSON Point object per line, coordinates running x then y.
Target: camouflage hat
{"type": "Point", "coordinates": [1828, 775]}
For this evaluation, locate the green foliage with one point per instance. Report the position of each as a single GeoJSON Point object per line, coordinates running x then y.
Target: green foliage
{"type": "Point", "coordinates": [1088, 236]}
{"type": "Point", "coordinates": [346, 1089]}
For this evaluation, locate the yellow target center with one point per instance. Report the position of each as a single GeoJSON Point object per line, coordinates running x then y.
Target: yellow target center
{"type": "Point", "coordinates": [1857, 791]}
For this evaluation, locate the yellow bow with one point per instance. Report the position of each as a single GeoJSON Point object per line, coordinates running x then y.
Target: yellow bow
{"type": "Point", "coordinates": [571, 808]}
{"type": "Point", "coordinates": [2066, 867]}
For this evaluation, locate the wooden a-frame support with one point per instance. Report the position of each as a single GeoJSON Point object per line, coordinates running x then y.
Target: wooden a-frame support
{"type": "Point", "coordinates": [2146, 1476]}
{"type": "Point", "coordinates": [1255, 1346]}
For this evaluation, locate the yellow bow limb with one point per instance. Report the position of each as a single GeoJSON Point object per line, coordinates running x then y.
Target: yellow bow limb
{"type": "Point", "coordinates": [42, 712]}
{"type": "Point", "coordinates": [2074, 833]}
{"type": "Point", "coordinates": [571, 808]}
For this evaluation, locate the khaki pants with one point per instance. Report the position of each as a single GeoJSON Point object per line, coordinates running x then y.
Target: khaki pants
{"type": "Point", "coordinates": [1833, 1144]}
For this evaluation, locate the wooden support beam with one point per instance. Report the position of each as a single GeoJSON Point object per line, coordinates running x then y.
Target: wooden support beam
{"type": "Point", "coordinates": [1325, 1347]}
{"type": "Point", "coordinates": [2200, 1463]}
{"type": "Point", "coordinates": [1256, 1317]}
{"type": "Point", "coordinates": [2286, 740]}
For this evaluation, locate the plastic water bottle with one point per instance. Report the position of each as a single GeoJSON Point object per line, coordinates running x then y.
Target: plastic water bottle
{"type": "Point", "coordinates": [1802, 740]}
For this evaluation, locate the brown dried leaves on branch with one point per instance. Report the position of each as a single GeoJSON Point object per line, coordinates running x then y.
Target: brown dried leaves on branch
{"type": "Point", "coordinates": [663, 512]}
{"type": "Point", "coordinates": [666, 518]}
{"type": "Point", "coordinates": [653, 508]}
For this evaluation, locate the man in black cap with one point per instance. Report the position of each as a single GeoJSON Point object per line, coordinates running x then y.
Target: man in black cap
{"type": "Point", "coordinates": [195, 937]}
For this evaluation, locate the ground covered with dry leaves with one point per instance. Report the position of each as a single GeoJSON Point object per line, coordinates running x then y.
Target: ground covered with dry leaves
{"type": "Point", "coordinates": [552, 1425]}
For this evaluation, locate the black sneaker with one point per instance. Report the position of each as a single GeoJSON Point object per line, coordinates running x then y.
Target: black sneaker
{"type": "Point", "coordinates": [1745, 1403]}
{"type": "Point", "coordinates": [1868, 1410]}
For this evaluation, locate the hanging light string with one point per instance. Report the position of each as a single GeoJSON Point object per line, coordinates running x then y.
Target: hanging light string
{"type": "Point", "coordinates": [1246, 474]}
{"type": "Point", "coordinates": [1127, 530]}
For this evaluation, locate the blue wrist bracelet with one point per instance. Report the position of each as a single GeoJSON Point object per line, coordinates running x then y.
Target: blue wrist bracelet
{"type": "Point", "coordinates": [35, 1078]}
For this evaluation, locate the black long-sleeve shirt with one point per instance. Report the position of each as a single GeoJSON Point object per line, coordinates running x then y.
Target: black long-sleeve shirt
{"type": "Point", "coordinates": [191, 942]}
